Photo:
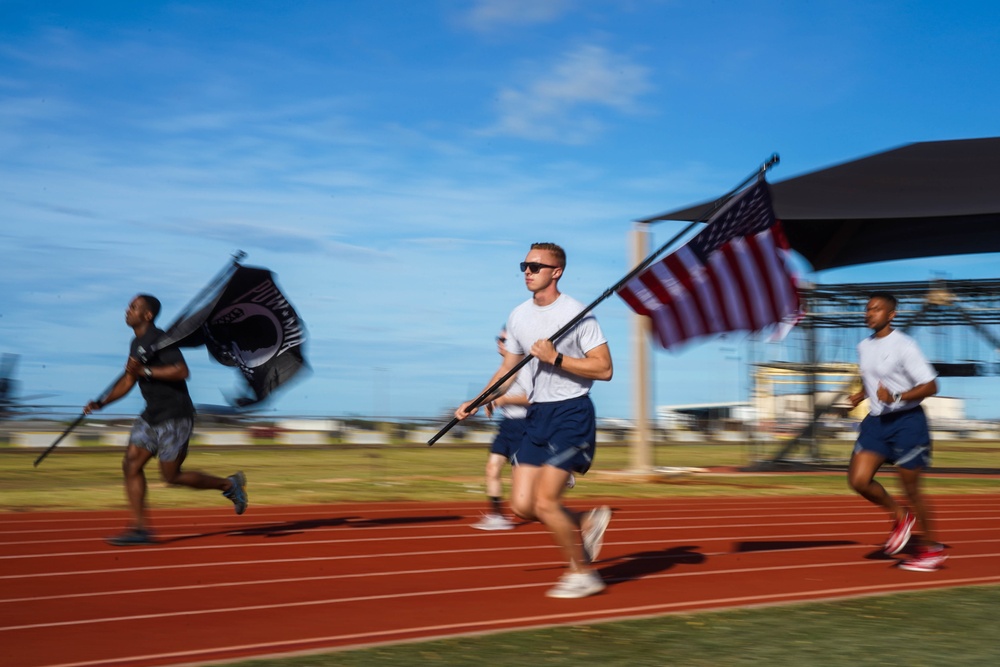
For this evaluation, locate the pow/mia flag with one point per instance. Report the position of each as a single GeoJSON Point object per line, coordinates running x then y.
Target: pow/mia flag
{"type": "Point", "coordinates": [247, 324]}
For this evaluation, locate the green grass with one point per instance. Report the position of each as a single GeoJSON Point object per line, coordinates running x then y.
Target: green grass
{"type": "Point", "coordinates": [955, 627]}
{"type": "Point", "coordinates": [73, 479]}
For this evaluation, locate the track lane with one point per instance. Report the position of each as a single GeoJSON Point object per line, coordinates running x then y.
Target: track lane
{"type": "Point", "coordinates": [406, 571]}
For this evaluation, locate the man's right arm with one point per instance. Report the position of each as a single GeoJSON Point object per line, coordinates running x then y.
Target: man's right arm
{"type": "Point", "coordinates": [122, 386]}
{"type": "Point", "coordinates": [508, 364]}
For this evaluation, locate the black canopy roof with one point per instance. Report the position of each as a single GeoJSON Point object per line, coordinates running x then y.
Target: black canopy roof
{"type": "Point", "coordinates": [920, 200]}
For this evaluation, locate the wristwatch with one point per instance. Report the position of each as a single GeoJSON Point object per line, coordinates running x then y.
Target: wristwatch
{"type": "Point", "coordinates": [896, 397]}
{"type": "Point", "coordinates": [147, 371]}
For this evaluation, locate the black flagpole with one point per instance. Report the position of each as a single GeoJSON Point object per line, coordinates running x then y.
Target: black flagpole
{"type": "Point", "coordinates": [219, 279]}
{"type": "Point", "coordinates": [238, 256]}
{"type": "Point", "coordinates": [642, 266]}
{"type": "Point", "coordinates": [83, 415]}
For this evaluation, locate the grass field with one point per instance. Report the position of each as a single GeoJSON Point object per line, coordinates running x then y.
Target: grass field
{"type": "Point", "coordinates": [955, 627]}
{"type": "Point", "coordinates": [73, 479]}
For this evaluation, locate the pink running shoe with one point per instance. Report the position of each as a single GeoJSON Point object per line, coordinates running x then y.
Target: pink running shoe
{"type": "Point", "coordinates": [927, 559]}
{"type": "Point", "coordinates": [900, 535]}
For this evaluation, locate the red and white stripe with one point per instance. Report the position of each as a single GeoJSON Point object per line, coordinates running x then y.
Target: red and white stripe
{"type": "Point", "coordinates": [744, 286]}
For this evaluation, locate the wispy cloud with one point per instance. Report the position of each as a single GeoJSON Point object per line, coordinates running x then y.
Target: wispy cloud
{"type": "Point", "coordinates": [282, 240]}
{"type": "Point", "coordinates": [488, 15]}
{"type": "Point", "coordinates": [564, 104]}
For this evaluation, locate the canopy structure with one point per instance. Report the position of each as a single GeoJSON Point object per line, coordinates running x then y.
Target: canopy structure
{"type": "Point", "coordinates": [920, 200]}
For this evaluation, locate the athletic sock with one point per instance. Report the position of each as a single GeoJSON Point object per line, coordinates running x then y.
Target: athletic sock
{"type": "Point", "coordinates": [495, 504]}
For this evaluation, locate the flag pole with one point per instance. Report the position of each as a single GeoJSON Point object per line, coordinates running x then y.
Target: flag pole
{"type": "Point", "coordinates": [213, 284]}
{"type": "Point", "coordinates": [83, 415]}
{"type": "Point", "coordinates": [237, 257]}
{"type": "Point", "coordinates": [642, 266]}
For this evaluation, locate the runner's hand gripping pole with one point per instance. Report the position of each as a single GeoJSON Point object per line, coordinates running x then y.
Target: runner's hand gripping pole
{"type": "Point", "coordinates": [83, 415]}
{"type": "Point", "coordinates": [485, 396]}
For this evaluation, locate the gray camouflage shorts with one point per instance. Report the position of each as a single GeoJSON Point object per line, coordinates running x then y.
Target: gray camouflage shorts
{"type": "Point", "coordinates": [168, 440]}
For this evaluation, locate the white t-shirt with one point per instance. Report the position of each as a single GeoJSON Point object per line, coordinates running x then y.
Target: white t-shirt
{"type": "Point", "coordinates": [896, 363]}
{"type": "Point", "coordinates": [529, 323]}
{"type": "Point", "coordinates": [521, 387]}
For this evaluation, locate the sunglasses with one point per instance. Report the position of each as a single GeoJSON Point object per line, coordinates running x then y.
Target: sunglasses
{"type": "Point", "coordinates": [535, 267]}
{"type": "Point", "coordinates": [501, 339]}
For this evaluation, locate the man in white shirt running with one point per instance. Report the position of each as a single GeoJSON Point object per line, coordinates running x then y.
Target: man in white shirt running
{"type": "Point", "coordinates": [895, 378]}
{"type": "Point", "coordinates": [560, 428]}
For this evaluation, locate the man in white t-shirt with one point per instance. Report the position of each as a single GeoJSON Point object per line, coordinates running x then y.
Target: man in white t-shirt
{"type": "Point", "coordinates": [560, 428]}
{"type": "Point", "coordinates": [895, 378]}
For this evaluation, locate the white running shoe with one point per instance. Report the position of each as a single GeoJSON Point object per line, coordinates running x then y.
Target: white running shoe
{"type": "Point", "coordinates": [571, 482]}
{"type": "Point", "coordinates": [493, 522]}
{"type": "Point", "coordinates": [593, 534]}
{"type": "Point", "coordinates": [577, 585]}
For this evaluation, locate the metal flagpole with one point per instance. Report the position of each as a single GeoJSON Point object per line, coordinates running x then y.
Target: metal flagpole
{"type": "Point", "coordinates": [719, 203]}
{"type": "Point", "coordinates": [238, 256]}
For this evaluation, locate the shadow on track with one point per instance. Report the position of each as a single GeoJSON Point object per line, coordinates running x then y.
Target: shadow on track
{"type": "Point", "coordinates": [289, 528]}
{"type": "Point", "coordinates": [782, 545]}
{"type": "Point", "coordinates": [638, 565]}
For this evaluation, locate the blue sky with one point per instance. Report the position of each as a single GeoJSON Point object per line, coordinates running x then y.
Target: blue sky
{"type": "Point", "coordinates": [392, 161]}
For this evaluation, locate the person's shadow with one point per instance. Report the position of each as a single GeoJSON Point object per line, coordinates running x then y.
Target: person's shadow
{"type": "Point", "coordinates": [289, 528]}
{"type": "Point", "coordinates": [644, 563]}
{"type": "Point", "coordinates": [784, 545]}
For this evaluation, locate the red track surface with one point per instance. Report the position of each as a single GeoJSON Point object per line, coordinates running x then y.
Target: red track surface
{"type": "Point", "coordinates": [294, 579]}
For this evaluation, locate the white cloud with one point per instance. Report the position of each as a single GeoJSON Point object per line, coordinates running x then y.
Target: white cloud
{"type": "Point", "coordinates": [564, 103]}
{"type": "Point", "coordinates": [487, 15]}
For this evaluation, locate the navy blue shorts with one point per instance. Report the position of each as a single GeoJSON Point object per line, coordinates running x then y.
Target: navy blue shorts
{"type": "Point", "coordinates": [509, 438]}
{"type": "Point", "coordinates": [561, 434]}
{"type": "Point", "coordinates": [901, 438]}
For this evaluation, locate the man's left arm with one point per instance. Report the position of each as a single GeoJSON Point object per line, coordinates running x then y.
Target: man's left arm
{"type": "Point", "coordinates": [595, 365]}
{"type": "Point", "coordinates": [174, 370]}
{"type": "Point", "coordinates": [917, 393]}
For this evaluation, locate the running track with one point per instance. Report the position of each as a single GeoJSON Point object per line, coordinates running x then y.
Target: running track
{"type": "Point", "coordinates": [282, 580]}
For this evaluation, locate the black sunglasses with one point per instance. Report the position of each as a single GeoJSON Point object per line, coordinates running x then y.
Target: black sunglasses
{"type": "Point", "coordinates": [501, 339]}
{"type": "Point", "coordinates": [535, 267]}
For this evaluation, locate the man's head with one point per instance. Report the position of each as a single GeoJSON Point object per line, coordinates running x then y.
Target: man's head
{"type": "Point", "coordinates": [880, 311]}
{"type": "Point", "coordinates": [152, 303]}
{"type": "Point", "coordinates": [142, 309]}
{"type": "Point", "coordinates": [543, 266]}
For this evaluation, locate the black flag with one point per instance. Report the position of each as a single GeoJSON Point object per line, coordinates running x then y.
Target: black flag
{"type": "Point", "coordinates": [247, 324]}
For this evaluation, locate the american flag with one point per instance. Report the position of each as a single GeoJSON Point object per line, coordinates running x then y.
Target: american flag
{"type": "Point", "coordinates": [730, 277]}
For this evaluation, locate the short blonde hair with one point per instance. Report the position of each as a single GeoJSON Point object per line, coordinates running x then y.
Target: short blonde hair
{"type": "Point", "coordinates": [555, 249]}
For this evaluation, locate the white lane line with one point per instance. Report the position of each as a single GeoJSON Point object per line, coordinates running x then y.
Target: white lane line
{"type": "Point", "coordinates": [470, 568]}
{"type": "Point", "coordinates": [168, 541]}
{"type": "Point", "coordinates": [827, 535]}
{"type": "Point", "coordinates": [705, 507]}
{"type": "Point", "coordinates": [451, 630]}
{"type": "Point", "coordinates": [358, 523]}
{"type": "Point", "coordinates": [811, 594]}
